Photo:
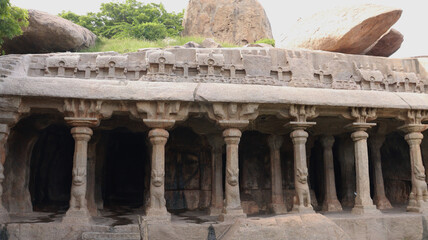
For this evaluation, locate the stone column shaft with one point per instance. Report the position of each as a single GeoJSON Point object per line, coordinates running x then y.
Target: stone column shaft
{"type": "Point", "coordinates": [363, 201]}
{"type": "Point", "coordinates": [157, 206]}
{"type": "Point", "coordinates": [302, 200]}
{"type": "Point", "coordinates": [278, 205]}
{"type": "Point", "coordinates": [216, 143]}
{"type": "Point", "coordinates": [418, 199]}
{"type": "Point", "coordinates": [330, 199]}
{"type": "Point", "coordinates": [379, 195]}
{"type": "Point", "coordinates": [4, 133]}
{"type": "Point", "coordinates": [232, 207]}
{"type": "Point", "coordinates": [78, 212]}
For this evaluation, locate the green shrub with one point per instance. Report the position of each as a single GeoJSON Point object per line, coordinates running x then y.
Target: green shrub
{"type": "Point", "coordinates": [130, 19]}
{"type": "Point", "coordinates": [267, 41]}
{"type": "Point", "coordinates": [12, 20]}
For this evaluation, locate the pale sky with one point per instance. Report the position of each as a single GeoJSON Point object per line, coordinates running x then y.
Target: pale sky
{"type": "Point", "coordinates": [282, 14]}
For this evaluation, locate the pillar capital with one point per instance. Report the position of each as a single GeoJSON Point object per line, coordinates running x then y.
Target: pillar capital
{"type": "Point", "coordinates": [359, 135]}
{"type": "Point", "coordinates": [275, 141]}
{"type": "Point", "coordinates": [158, 136]}
{"type": "Point", "coordinates": [299, 136]}
{"type": "Point", "coordinates": [81, 133]}
{"type": "Point", "coordinates": [232, 136]}
{"type": "Point", "coordinates": [327, 141]}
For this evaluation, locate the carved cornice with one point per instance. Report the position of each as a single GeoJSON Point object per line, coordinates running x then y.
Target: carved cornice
{"type": "Point", "coordinates": [161, 114]}
{"type": "Point", "coordinates": [361, 117]}
{"type": "Point", "coordinates": [83, 112]}
{"type": "Point", "coordinates": [300, 114]}
{"type": "Point", "coordinates": [233, 115]}
{"type": "Point", "coordinates": [361, 114]}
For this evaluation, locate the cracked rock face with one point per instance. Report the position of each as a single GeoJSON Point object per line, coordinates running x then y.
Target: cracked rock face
{"type": "Point", "coordinates": [49, 33]}
{"type": "Point", "coordinates": [347, 30]}
{"type": "Point", "coordinates": [238, 22]}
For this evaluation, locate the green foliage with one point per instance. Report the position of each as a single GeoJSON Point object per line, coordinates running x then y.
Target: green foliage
{"type": "Point", "coordinates": [267, 41]}
{"type": "Point", "coordinates": [130, 19]}
{"type": "Point", "coordinates": [12, 20]}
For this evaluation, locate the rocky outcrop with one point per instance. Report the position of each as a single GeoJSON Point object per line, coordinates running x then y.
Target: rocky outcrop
{"type": "Point", "coordinates": [346, 30]}
{"type": "Point", "coordinates": [387, 45]}
{"type": "Point", "coordinates": [238, 22]}
{"type": "Point", "coordinates": [48, 33]}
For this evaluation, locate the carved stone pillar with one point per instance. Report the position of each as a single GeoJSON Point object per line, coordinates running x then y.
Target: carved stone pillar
{"type": "Point", "coordinates": [302, 200]}
{"type": "Point", "coordinates": [216, 143]}
{"type": "Point", "coordinates": [363, 201]}
{"type": "Point", "coordinates": [78, 212]}
{"type": "Point", "coordinates": [159, 116]}
{"type": "Point", "coordinates": [331, 203]}
{"type": "Point", "coordinates": [418, 199]}
{"type": "Point", "coordinates": [278, 204]}
{"type": "Point", "coordinates": [4, 133]}
{"type": "Point", "coordinates": [379, 198]}
{"type": "Point", "coordinates": [81, 115]}
{"type": "Point", "coordinates": [157, 209]}
{"type": "Point", "coordinates": [300, 113]}
{"type": "Point", "coordinates": [232, 117]}
{"type": "Point", "coordinates": [91, 186]}
{"type": "Point", "coordinates": [232, 205]}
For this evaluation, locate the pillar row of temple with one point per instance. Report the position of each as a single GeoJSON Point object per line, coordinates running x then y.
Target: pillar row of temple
{"type": "Point", "coordinates": [233, 119]}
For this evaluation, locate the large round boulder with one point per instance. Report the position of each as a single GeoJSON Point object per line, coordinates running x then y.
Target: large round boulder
{"type": "Point", "coordinates": [234, 21]}
{"type": "Point", "coordinates": [49, 33]}
{"type": "Point", "coordinates": [346, 30]}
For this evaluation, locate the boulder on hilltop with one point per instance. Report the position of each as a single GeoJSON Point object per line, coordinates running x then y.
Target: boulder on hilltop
{"type": "Point", "coordinates": [234, 21]}
{"type": "Point", "coordinates": [49, 33]}
{"type": "Point", "coordinates": [347, 30]}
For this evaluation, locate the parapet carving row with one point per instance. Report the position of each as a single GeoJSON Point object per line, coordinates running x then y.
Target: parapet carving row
{"type": "Point", "coordinates": [278, 67]}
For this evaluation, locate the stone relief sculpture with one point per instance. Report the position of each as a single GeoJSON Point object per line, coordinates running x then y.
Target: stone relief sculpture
{"type": "Point", "coordinates": [78, 189]}
{"type": "Point", "coordinates": [157, 199]}
{"type": "Point", "coordinates": [303, 196]}
{"type": "Point", "coordinates": [278, 67]}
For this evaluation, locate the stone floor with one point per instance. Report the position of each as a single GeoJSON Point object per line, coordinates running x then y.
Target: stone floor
{"type": "Point", "coordinates": [392, 224]}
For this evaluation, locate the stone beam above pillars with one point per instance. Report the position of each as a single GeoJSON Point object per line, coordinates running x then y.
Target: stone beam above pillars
{"type": "Point", "coordinates": [232, 117]}
{"type": "Point", "coordinates": [82, 115]}
{"type": "Point", "coordinates": [300, 114]}
{"type": "Point", "coordinates": [361, 116]}
{"type": "Point", "coordinates": [413, 128]}
{"type": "Point", "coordinates": [159, 116]}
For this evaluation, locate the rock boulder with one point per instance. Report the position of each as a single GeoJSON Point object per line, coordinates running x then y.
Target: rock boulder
{"type": "Point", "coordinates": [233, 21]}
{"type": "Point", "coordinates": [346, 30]}
{"type": "Point", "coordinates": [387, 44]}
{"type": "Point", "coordinates": [49, 33]}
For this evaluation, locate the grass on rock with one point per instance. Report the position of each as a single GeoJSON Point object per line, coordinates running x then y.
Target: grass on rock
{"type": "Point", "coordinates": [132, 45]}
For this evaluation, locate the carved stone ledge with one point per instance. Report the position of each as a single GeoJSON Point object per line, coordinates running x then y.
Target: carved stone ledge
{"type": "Point", "coordinates": [409, 128]}
{"type": "Point", "coordinates": [359, 126]}
{"type": "Point", "coordinates": [299, 125]}
{"type": "Point", "coordinates": [82, 122]}
{"type": "Point", "coordinates": [232, 115]}
{"type": "Point", "coordinates": [159, 123]}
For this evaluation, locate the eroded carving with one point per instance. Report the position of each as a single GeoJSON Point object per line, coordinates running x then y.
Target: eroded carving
{"type": "Point", "coordinates": [303, 197]}
{"type": "Point", "coordinates": [157, 199]}
{"type": "Point", "coordinates": [78, 189]}
{"type": "Point", "coordinates": [232, 176]}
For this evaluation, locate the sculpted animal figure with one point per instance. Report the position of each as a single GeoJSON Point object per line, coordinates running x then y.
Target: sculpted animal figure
{"type": "Point", "coordinates": [157, 199]}
{"type": "Point", "coordinates": [232, 180]}
{"type": "Point", "coordinates": [78, 189]}
{"type": "Point", "coordinates": [419, 190]}
{"type": "Point", "coordinates": [303, 197]}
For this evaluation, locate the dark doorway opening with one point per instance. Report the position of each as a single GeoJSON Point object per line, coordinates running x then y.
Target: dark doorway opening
{"type": "Point", "coordinates": [126, 166]}
{"type": "Point", "coordinates": [50, 169]}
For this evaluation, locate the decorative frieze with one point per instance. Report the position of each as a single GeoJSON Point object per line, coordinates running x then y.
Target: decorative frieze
{"type": "Point", "coordinates": [278, 67]}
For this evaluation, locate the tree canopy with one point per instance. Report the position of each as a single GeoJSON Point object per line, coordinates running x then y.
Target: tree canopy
{"type": "Point", "coordinates": [12, 20]}
{"type": "Point", "coordinates": [130, 19]}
